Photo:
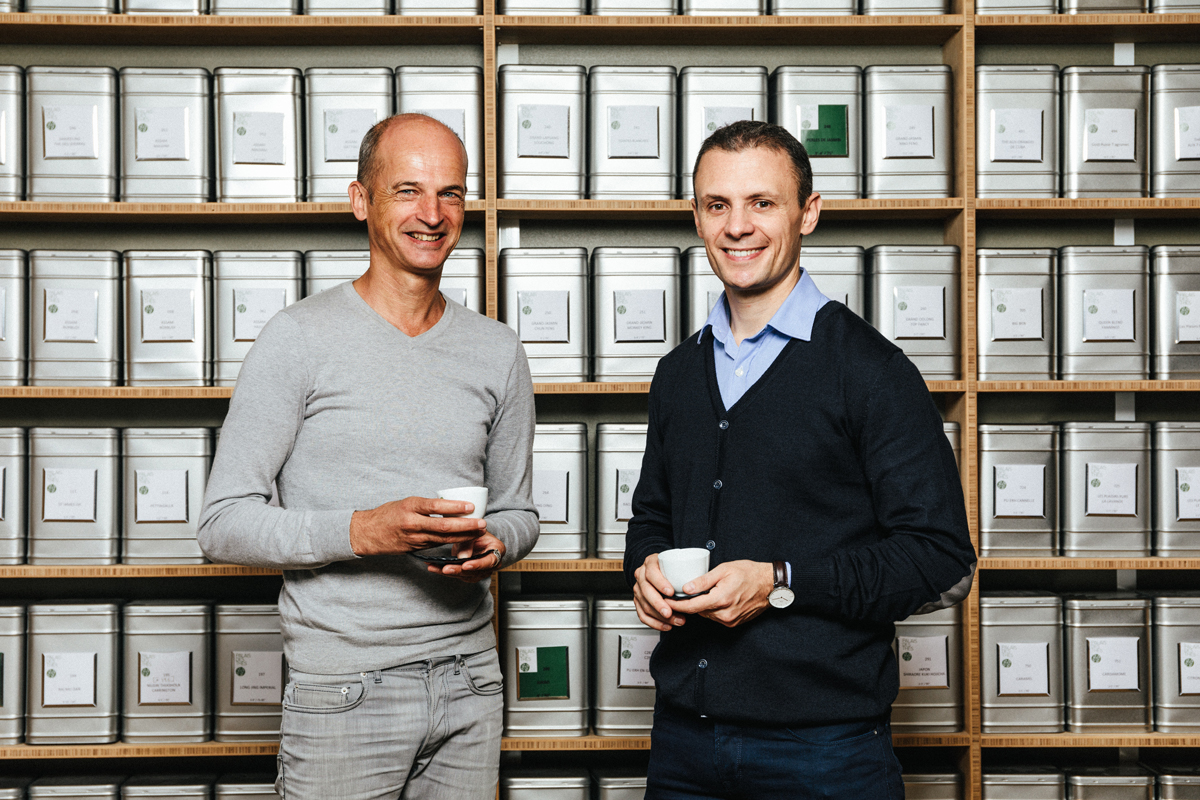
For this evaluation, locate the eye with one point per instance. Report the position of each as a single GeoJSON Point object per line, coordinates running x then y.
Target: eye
{"type": "Point", "coordinates": [763, 204]}
{"type": "Point", "coordinates": [716, 207]}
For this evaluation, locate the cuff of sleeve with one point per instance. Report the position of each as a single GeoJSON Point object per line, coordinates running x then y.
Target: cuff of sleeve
{"type": "Point", "coordinates": [813, 579]}
{"type": "Point", "coordinates": [331, 536]}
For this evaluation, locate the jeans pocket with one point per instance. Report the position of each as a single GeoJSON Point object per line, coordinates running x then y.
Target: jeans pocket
{"type": "Point", "coordinates": [280, 787]}
{"type": "Point", "coordinates": [482, 673]}
{"type": "Point", "coordinates": [324, 698]}
{"type": "Point", "coordinates": [837, 734]}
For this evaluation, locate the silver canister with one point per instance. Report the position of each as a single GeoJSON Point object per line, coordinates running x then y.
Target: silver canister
{"type": "Point", "coordinates": [1105, 489]}
{"type": "Point", "coordinates": [258, 8]}
{"type": "Point", "coordinates": [190, 8]}
{"type": "Point", "coordinates": [1175, 124]}
{"type": "Point", "coordinates": [631, 133]}
{"type": "Point", "coordinates": [1176, 485]}
{"type": "Point", "coordinates": [619, 451]}
{"type": "Point", "coordinates": [1108, 663]}
{"type": "Point", "coordinates": [12, 675]}
{"type": "Point", "coordinates": [905, 7]}
{"type": "Point", "coordinates": [1105, 131]}
{"type": "Point", "coordinates": [454, 97]}
{"type": "Point", "coordinates": [71, 139]}
{"type": "Point", "coordinates": [1178, 782]}
{"type": "Point", "coordinates": [439, 8]}
{"type": "Point", "coordinates": [914, 303]}
{"type": "Point", "coordinates": [636, 304]}
{"type": "Point", "coordinates": [1176, 337]}
{"type": "Point", "coordinates": [246, 786]}
{"type": "Point", "coordinates": [822, 107]}
{"type": "Point", "coordinates": [13, 496]}
{"type": "Point", "coordinates": [250, 287]}
{"type": "Point", "coordinates": [1024, 783]}
{"type": "Point", "coordinates": [929, 654]}
{"type": "Point", "coordinates": [68, 6]}
{"type": "Point", "coordinates": [624, 699]}
{"type": "Point", "coordinates": [542, 131]}
{"type": "Point", "coordinates": [954, 437]}
{"type": "Point", "coordinates": [1104, 6]}
{"type": "Point", "coordinates": [341, 104]}
{"type": "Point", "coordinates": [167, 787]}
{"type": "Point", "coordinates": [1176, 653]}
{"type": "Point", "coordinates": [545, 655]}
{"type": "Point", "coordinates": [91, 787]}
{"type": "Point", "coordinates": [14, 324]}
{"type": "Point", "coordinates": [464, 279]}
{"type": "Point", "coordinates": [250, 673]}
{"type": "Point", "coordinates": [166, 672]}
{"type": "Point", "coordinates": [165, 139]}
{"type": "Point", "coordinates": [804, 8]}
{"type": "Point", "coordinates": [933, 786]}
{"type": "Point", "coordinates": [1018, 490]}
{"type": "Point", "coordinates": [1021, 662]}
{"type": "Point", "coordinates": [635, 8]}
{"type": "Point", "coordinates": [556, 8]}
{"type": "Point", "coordinates": [545, 784]}
{"type": "Point", "coordinates": [840, 274]}
{"type": "Point", "coordinates": [73, 683]}
{"type": "Point", "coordinates": [259, 137]}
{"type": "Point", "coordinates": [711, 98]}
{"type": "Point", "coordinates": [909, 128]}
{"type": "Point", "coordinates": [165, 472]}
{"type": "Point", "coordinates": [168, 302]}
{"type": "Point", "coordinates": [702, 289]}
{"type": "Point", "coordinates": [1110, 783]}
{"type": "Point", "coordinates": [74, 486]}
{"type": "Point", "coordinates": [560, 487]}
{"type": "Point", "coordinates": [1016, 321]}
{"type": "Point", "coordinates": [616, 783]}
{"type": "Point", "coordinates": [1016, 7]}
{"type": "Point", "coordinates": [1103, 313]}
{"type": "Point", "coordinates": [356, 8]}
{"type": "Point", "coordinates": [724, 8]}
{"type": "Point", "coordinates": [75, 319]}
{"type": "Point", "coordinates": [1016, 130]}
{"type": "Point", "coordinates": [12, 133]}
{"type": "Point", "coordinates": [325, 269]}
{"type": "Point", "coordinates": [544, 298]}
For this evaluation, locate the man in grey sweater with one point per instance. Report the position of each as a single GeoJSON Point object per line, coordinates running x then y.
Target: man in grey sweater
{"type": "Point", "coordinates": [369, 392]}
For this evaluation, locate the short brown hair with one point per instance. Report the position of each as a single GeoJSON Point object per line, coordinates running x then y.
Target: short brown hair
{"type": "Point", "coordinates": [748, 134]}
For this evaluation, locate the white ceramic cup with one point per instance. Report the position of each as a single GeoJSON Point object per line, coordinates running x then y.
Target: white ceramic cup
{"type": "Point", "coordinates": [682, 565]}
{"type": "Point", "coordinates": [478, 495]}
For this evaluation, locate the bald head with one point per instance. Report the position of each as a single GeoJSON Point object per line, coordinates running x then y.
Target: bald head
{"type": "Point", "coordinates": [409, 131]}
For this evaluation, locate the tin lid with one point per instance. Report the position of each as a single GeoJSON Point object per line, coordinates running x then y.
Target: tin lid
{"type": "Point", "coordinates": [614, 604]}
{"type": "Point", "coordinates": [1106, 600]}
{"type": "Point", "coordinates": [612, 70]}
{"type": "Point", "coordinates": [256, 71]}
{"type": "Point", "coordinates": [1039, 261]}
{"type": "Point", "coordinates": [1034, 775]}
{"type": "Point", "coordinates": [168, 263]}
{"type": "Point", "coordinates": [545, 778]}
{"type": "Point", "coordinates": [338, 255]}
{"type": "Point", "coordinates": [1176, 774]}
{"type": "Point", "coordinates": [64, 785]}
{"type": "Point", "coordinates": [170, 785]}
{"type": "Point", "coordinates": [72, 442]}
{"type": "Point", "coordinates": [166, 608]}
{"type": "Point", "coordinates": [1016, 69]}
{"type": "Point", "coordinates": [246, 783]}
{"type": "Point", "coordinates": [620, 778]}
{"type": "Point", "coordinates": [85, 71]}
{"type": "Point", "coordinates": [263, 610]}
{"type": "Point", "coordinates": [166, 72]}
{"type": "Point", "coordinates": [465, 262]}
{"type": "Point", "coordinates": [695, 262]}
{"type": "Point", "coordinates": [92, 264]}
{"type": "Point", "coordinates": [12, 611]}
{"type": "Point", "coordinates": [950, 778]}
{"type": "Point", "coordinates": [1105, 436]}
{"type": "Point", "coordinates": [1124, 775]}
{"type": "Point", "coordinates": [1019, 597]}
{"type": "Point", "coordinates": [622, 427]}
{"type": "Point", "coordinates": [80, 608]}
{"type": "Point", "coordinates": [635, 261]}
{"type": "Point", "coordinates": [1176, 599]}
{"type": "Point", "coordinates": [817, 70]}
{"type": "Point", "coordinates": [11, 70]}
{"type": "Point", "coordinates": [563, 437]}
{"type": "Point", "coordinates": [736, 72]}
{"type": "Point", "coordinates": [542, 69]}
{"type": "Point", "coordinates": [349, 71]}
{"type": "Point", "coordinates": [12, 441]}
{"type": "Point", "coordinates": [1003, 428]}
{"type": "Point", "coordinates": [1175, 259]}
{"type": "Point", "coordinates": [1177, 435]}
{"type": "Point", "coordinates": [1128, 70]}
{"type": "Point", "coordinates": [834, 260]}
{"type": "Point", "coordinates": [942, 616]}
{"type": "Point", "coordinates": [1078, 259]}
{"type": "Point", "coordinates": [269, 264]}
{"type": "Point", "coordinates": [907, 69]}
{"type": "Point", "coordinates": [12, 263]}
{"type": "Point", "coordinates": [1189, 68]}
{"type": "Point", "coordinates": [547, 602]}
{"type": "Point", "coordinates": [410, 69]}
{"type": "Point", "coordinates": [559, 427]}
{"type": "Point", "coordinates": [940, 259]}
{"type": "Point", "coordinates": [166, 433]}
{"type": "Point", "coordinates": [544, 260]}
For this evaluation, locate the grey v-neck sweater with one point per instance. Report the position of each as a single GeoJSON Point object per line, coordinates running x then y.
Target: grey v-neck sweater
{"type": "Point", "coordinates": [345, 412]}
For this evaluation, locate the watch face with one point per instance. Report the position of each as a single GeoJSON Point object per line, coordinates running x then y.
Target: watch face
{"type": "Point", "coordinates": [781, 597]}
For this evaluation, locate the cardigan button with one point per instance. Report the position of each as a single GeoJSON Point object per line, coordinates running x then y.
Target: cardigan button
{"type": "Point", "coordinates": [703, 663]}
{"type": "Point", "coordinates": [710, 544]}
{"type": "Point", "coordinates": [724, 424]}
{"type": "Point", "coordinates": [717, 484]}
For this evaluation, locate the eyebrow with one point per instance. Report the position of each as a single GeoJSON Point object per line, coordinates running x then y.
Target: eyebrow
{"type": "Point", "coordinates": [418, 185]}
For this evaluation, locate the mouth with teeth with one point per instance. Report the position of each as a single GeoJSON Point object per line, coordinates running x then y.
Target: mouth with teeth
{"type": "Point", "coordinates": [743, 254]}
{"type": "Point", "coordinates": [425, 237]}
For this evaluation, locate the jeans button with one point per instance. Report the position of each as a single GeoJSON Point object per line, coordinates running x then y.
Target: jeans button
{"type": "Point", "coordinates": [710, 544]}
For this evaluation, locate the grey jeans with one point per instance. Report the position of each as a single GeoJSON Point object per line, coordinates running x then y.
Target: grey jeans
{"type": "Point", "coordinates": [428, 730]}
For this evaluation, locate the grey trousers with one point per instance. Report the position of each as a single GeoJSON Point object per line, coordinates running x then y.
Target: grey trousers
{"type": "Point", "coordinates": [423, 731]}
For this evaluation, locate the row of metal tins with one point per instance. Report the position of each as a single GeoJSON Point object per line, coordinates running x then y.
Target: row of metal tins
{"type": "Point", "coordinates": [1126, 782]}
{"type": "Point", "coordinates": [234, 786]}
{"type": "Point", "coordinates": [147, 672]}
{"type": "Point", "coordinates": [1126, 131]}
{"type": "Point", "coordinates": [190, 316]}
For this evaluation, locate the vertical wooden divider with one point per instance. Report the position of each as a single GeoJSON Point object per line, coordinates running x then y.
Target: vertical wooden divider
{"type": "Point", "coordinates": [491, 235]}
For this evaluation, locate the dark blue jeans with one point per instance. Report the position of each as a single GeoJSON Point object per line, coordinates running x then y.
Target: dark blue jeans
{"type": "Point", "coordinates": [699, 759]}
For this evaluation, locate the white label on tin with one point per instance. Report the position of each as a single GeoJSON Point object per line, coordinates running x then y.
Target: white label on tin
{"type": "Point", "coordinates": [1024, 668]}
{"type": "Point", "coordinates": [633, 131]}
{"type": "Point", "coordinates": [1112, 490]}
{"type": "Point", "coordinates": [3, 314]}
{"type": "Point", "coordinates": [344, 131]}
{"type": "Point", "coordinates": [920, 312]}
{"type": "Point", "coordinates": [1187, 493]}
{"type": "Point", "coordinates": [1020, 490]}
{"type": "Point", "coordinates": [162, 495]}
{"type": "Point", "coordinates": [453, 118]}
{"type": "Point", "coordinates": [544, 316]}
{"type": "Point", "coordinates": [908, 132]}
{"type": "Point", "coordinates": [639, 315]}
{"type": "Point", "coordinates": [258, 137]}
{"type": "Point", "coordinates": [627, 481]}
{"type": "Point", "coordinates": [257, 678]}
{"type": "Point", "coordinates": [71, 315]}
{"type": "Point", "coordinates": [550, 493]}
{"type": "Point", "coordinates": [70, 131]}
{"type": "Point", "coordinates": [68, 679]}
{"type": "Point", "coordinates": [161, 134]}
{"type": "Point", "coordinates": [923, 661]}
{"type": "Point", "coordinates": [719, 116]}
{"type": "Point", "coordinates": [252, 309]}
{"type": "Point", "coordinates": [713, 299]}
{"type": "Point", "coordinates": [1016, 134]}
{"type": "Point", "coordinates": [69, 495]}
{"type": "Point", "coordinates": [1187, 316]}
{"type": "Point", "coordinates": [3, 136]}
{"type": "Point", "coordinates": [1187, 133]}
{"type": "Point", "coordinates": [635, 660]}
{"type": "Point", "coordinates": [1108, 315]}
{"type": "Point", "coordinates": [168, 315]}
{"type": "Point", "coordinates": [1109, 134]}
{"type": "Point", "coordinates": [527, 659]}
{"type": "Point", "coordinates": [457, 295]}
{"type": "Point", "coordinates": [1189, 668]}
{"type": "Point", "coordinates": [543, 131]}
{"type": "Point", "coordinates": [1016, 314]}
{"type": "Point", "coordinates": [1113, 664]}
{"type": "Point", "coordinates": [165, 679]}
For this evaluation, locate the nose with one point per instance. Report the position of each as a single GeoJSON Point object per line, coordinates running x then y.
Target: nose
{"type": "Point", "coordinates": [429, 211]}
{"type": "Point", "coordinates": [738, 223]}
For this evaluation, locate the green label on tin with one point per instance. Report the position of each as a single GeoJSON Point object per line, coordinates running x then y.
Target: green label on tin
{"type": "Point", "coordinates": [824, 130]}
{"type": "Point", "coordinates": [542, 673]}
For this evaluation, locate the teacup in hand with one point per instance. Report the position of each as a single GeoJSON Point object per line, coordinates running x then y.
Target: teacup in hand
{"type": "Point", "coordinates": [682, 565]}
{"type": "Point", "coordinates": [476, 495]}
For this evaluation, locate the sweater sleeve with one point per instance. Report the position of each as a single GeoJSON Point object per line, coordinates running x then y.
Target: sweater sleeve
{"type": "Point", "coordinates": [650, 526]}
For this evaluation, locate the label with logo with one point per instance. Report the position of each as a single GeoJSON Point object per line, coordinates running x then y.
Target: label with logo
{"type": "Point", "coordinates": [1113, 664]}
{"type": "Point", "coordinates": [71, 315]}
{"type": "Point", "coordinates": [70, 131]}
{"type": "Point", "coordinates": [1187, 133]}
{"type": "Point", "coordinates": [453, 118]}
{"type": "Point", "coordinates": [68, 679]}
{"type": "Point", "coordinates": [908, 132]}
{"type": "Point", "coordinates": [252, 309]}
{"type": "Point", "coordinates": [457, 295]}
{"type": "Point", "coordinates": [627, 481]}
{"type": "Point", "coordinates": [543, 131]}
{"type": "Point", "coordinates": [1109, 134]}
{"type": "Point", "coordinates": [161, 134]}
{"type": "Point", "coordinates": [1112, 490]}
{"type": "Point", "coordinates": [551, 489]}
{"type": "Point", "coordinates": [543, 673]}
{"type": "Point", "coordinates": [165, 679]}
{"type": "Point", "coordinates": [344, 131]}
{"type": "Point", "coordinates": [69, 495]}
{"type": "Point", "coordinates": [257, 678]}
{"type": "Point", "coordinates": [633, 131]}
{"type": "Point", "coordinates": [635, 660]}
{"type": "Point", "coordinates": [1108, 315]}
{"type": "Point", "coordinates": [639, 315]}
{"type": "Point", "coordinates": [1187, 317]}
{"type": "Point", "coordinates": [544, 316]}
{"type": "Point", "coordinates": [824, 130]}
{"type": "Point", "coordinates": [162, 495]}
{"type": "Point", "coordinates": [920, 312]}
{"type": "Point", "coordinates": [1187, 493]}
{"type": "Point", "coordinates": [1189, 667]}
{"type": "Point", "coordinates": [719, 116]}
{"type": "Point", "coordinates": [258, 137]}
{"type": "Point", "coordinates": [1024, 668]}
{"type": "Point", "coordinates": [1016, 314]}
{"type": "Point", "coordinates": [1016, 134]}
{"type": "Point", "coordinates": [168, 315]}
{"type": "Point", "coordinates": [923, 661]}
{"type": "Point", "coordinates": [1020, 490]}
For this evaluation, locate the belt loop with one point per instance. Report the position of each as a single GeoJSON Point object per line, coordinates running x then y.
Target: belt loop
{"type": "Point", "coordinates": [378, 676]}
{"type": "Point", "coordinates": [458, 664]}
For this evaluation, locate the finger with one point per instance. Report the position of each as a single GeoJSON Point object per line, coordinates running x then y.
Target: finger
{"type": "Point", "coordinates": [445, 525]}
{"type": "Point", "coordinates": [655, 578]}
{"type": "Point", "coordinates": [655, 605]}
{"type": "Point", "coordinates": [488, 560]}
{"type": "Point", "coordinates": [648, 617]}
{"type": "Point", "coordinates": [705, 582]}
{"type": "Point", "coordinates": [654, 599]}
{"type": "Point", "coordinates": [435, 505]}
{"type": "Point", "coordinates": [699, 605]}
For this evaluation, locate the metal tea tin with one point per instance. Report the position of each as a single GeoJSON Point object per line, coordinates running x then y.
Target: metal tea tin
{"type": "Point", "coordinates": [822, 107]}
{"type": "Point", "coordinates": [165, 472]}
{"type": "Point", "coordinates": [1177, 782]}
{"type": "Point", "coordinates": [702, 289]}
{"type": "Point", "coordinates": [1018, 490]}
{"type": "Point", "coordinates": [909, 151]}
{"type": "Point", "coordinates": [1110, 783]}
{"type": "Point", "coordinates": [463, 278]}
{"type": "Point", "coordinates": [92, 787]}
{"type": "Point", "coordinates": [248, 705]}
{"type": "Point", "coordinates": [74, 486]}
{"type": "Point", "coordinates": [13, 788]}
{"type": "Point", "coordinates": [560, 488]}
{"type": "Point", "coordinates": [557, 8]}
{"type": "Point", "coordinates": [250, 287]}
{"type": "Point", "coordinates": [1105, 130]}
{"type": "Point", "coordinates": [72, 687]}
{"type": "Point", "coordinates": [724, 8]}
{"type": "Point", "coordinates": [637, 8]}
{"type": "Point", "coordinates": [12, 133]}
{"type": "Point", "coordinates": [933, 786]}
{"type": "Point", "coordinates": [914, 303]}
{"type": "Point", "coordinates": [905, 7]}
{"type": "Point", "coordinates": [545, 784]}
{"type": "Point", "coordinates": [541, 132]}
{"type": "Point", "coordinates": [68, 7]}
{"type": "Point", "coordinates": [167, 787]}
{"type": "Point", "coordinates": [952, 431]}
{"type": "Point", "coordinates": [1105, 490]}
{"type": "Point", "coordinates": [165, 139]}
{"type": "Point", "coordinates": [1109, 694]}
{"type": "Point", "coordinates": [1176, 338]}
{"type": "Point", "coordinates": [619, 451]}
{"type": "Point", "coordinates": [1024, 783]}
{"type": "Point", "coordinates": [190, 8]}
{"type": "Point", "coordinates": [246, 786]}
{"type": "Point", "coordinates": [1021, 662]}
{"type": "Point", "coordinates": [1176, 483]}
{"type": "Point", "coordinates": [325, 269]}
{"type": "Point", "coordinates": [615, 783]}
{"type": "Point", "coordinates": [804, 8]}
{"type": "Point", "coordinates": [258, 8]}
{"type": "Point", "coordinates": [356, 8]}
{"type": "Point", "coordinates": [168, 297]}
{"type": "Point", "coordinates": [453, 95]}
{"type": "Point", "coordinates": [71, 124]}
{"type": "Point", "coordinates": [1103, 313]}
{"type": "Point", "coordinates": [840, 274]}
{"type": "Point", "coordinates": [1016, 321]}
{"type": "Point", "coordinates": [544, 649]}
{"type": "Point", "coordinates": [929, 654]}
{"type": "Point", "coordinates": [1103, 6]}
{"type": "Point", "coordinates": [439, 8]}
{"type": "Point", "coordinates": [1017, 7]}
{"type": "Point", "coordinates": [552, 283]}
{"type": "Point", "coordinates": [259, 136]}
{"type": "Point", "coordinates": [1016, 130]}
{"type": "Point", "coordinates": [711, 98]}
{"type": "Point", "coordinates": [13, 496]}
{"type": "Point", "coordinates": [341, 104]}
{"type": "Point", "coordinates": [1174, 6]}
{"type": "Point", "coordinates": [166, 673]}
{"type": "Point", "coordinates": [1175, 125]}
{"type": "Point", "coordinates": [14, 322]}
{"type": "Point", "coordinates": [636, 305]}
{"type": "Point", "coordinates": [631, 141]}
{"type": "Point", "coordinates": [624, 699]}
{"type": "Point", "coordinates": [1176, 650]}
{"type": "Point", "coordinates": [12, 675]}
{"type": "Point", "coordinates": [74, 314]}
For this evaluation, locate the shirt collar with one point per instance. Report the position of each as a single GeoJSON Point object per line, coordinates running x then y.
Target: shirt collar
{"type": "Point", "coordinates": [793, 319]}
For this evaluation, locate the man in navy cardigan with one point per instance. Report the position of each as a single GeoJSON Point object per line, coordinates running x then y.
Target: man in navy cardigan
{"type": "Point", "coordinates": [803, 450]}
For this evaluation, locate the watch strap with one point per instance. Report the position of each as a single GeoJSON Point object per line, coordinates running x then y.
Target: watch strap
{"type": "Point", "coordinates": [780, 574]}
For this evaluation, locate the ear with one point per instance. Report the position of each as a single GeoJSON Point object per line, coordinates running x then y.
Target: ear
{"type": "Point", "coordinates": [359, 200]}
{"type": "Point", "coordinates": [696, 218]}
{"type": "Point", "coordinates": [812, 211]}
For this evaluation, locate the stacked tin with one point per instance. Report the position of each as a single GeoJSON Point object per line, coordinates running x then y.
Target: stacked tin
{"type": "Point", "coordinates": [1018, 499]}
{"type": "Point", "coordinates": [822, 107]}
{"type": "Point", "coordinates": [929, 655]}
{"type": "Point", "coordinates": [1105, 130]}
{"type": "Point", "coordinates": [1176, 336]}
{"type": "Point", "coordinates": [1176, 650]}
{"type": "Point", "coordinates": [632, 132]}
{"type": "Point", "coordinates": [1104, 306]}
{"type": "Point", "coordinates": [71, 123]}
{"type": "Point", "coordinates": [1101, 783]}
{"type": "Point", "coordinates": [1105, 489]}
{"type": "Point", "coordinates": [840, 274]}
{"type": "Point", "coordinates": [463, 278]}
{"type": "Point", "coordinates": [1024, 783]}
{"type": "Point", "coordinates": [915, 304]}
{"type": "Point", "coordinates": [560, 489]}
{"type": "Point", "coordinates": [635, 302]}
{"type": "Point", "coordinates": [1021, 662]}
{"type": "Point", "coordinates": [453, 96]}
{"type": "Point", "coordinates": [12, 675]}
{"type": "Point", "coordinates": [619, 451]}
{"type": "Point", "coordinates": [624, 701]}
{"type": "Point", "coordinates": [13, 496]}
{"type": "Point", "coordinates": [258, 133]}
{"type": "Point", "coordinates": [75, 318]}
{"type": "Point", "coordinates": [166, 666]}
{"type": "Point", "coordinates": [168, 302]}
{"type": "Point", "coordinates": [165, 123]}
{"type": "Point", "coordinates": [540, 131]}
{"type": "Point", "coordinates": [325, 269]}
{"type": "Point", "coordinates": [1175, 114]}
{"type": "Point", "coordinates": [14, 323]}
{"type": "Point", "coordinates": [1016, 131]}
{"type": "Point", "coordinates": [12, 133]}
{"type": "Point", "coordinates": [1176, 484]}
{"type": "Point", "coordinates": [250, 287]}
{"type": "Point", "coordinates": [250, 673]}
{"type": "Point", "coordinates": [544, 298]}
{"type": "Point", "coordinates": [87, 787]}
{"type": "Point", "coordinates": [165, 472]}
{"type": "Point", "coordinates": [73, 493]}
{"type": "Point", "coordinates": [720, 8]}
{"type": "Point", "coordinates": [167, 787]}
{"type": "Point", "coordinates": [711, 98]}
{"type": "Point", "coordinates": [619, 784]}
{"type": "Point", "coordinates": [245, 786]}
{"type": "Point", "coordinates": [1017, 332]}
{"type": "Point", "coordinates": [1108, 677]}
{"type": "Point", "coordinates": [933, 786]}
{"type": "Point", "coordinates": [341, 104]}
{"type": "Point", "coordinates": [908, 124]}
{"type": "Point", "coordinates": [544, 649]}
{"type": "Point", "coordinates": [702, 289]}
{"type": "Point", "coordinates": [545, 784]}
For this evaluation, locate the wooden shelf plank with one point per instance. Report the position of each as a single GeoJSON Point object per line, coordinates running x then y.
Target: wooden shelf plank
{"type": "Point", "coordinates": [592, 387]}
{"type": "Point", "coordinates": [134, 571]}
{"type": "Point", "coordinates": [122, 750]}
{"type": "Point", "coordinates": [1087, 386]}
{"type": "Point", "coordinates": [560, 743]}
{"type": "Point", "coordinates": [1086, 28]}
{"type": "Point", "coordinates": [119, 392]}
{"type": "Point", "coordinates": [562, 565]}
{"type": "Point", "coordinates": [190, 213]}
{"type": "Point", "coordinates": [1088, 563]}
{"type": "Point", "coordinates": [931, 739]}
{"type": "Point", "coordinates": [682, 209]}
{"type": "Point", "coordinates": [1090, 740]}
{"type": "Point", "coordinates": [1090, 208]}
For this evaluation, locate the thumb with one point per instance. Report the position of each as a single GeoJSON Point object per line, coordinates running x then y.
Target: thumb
{"type": "Point", "coordinates": [705, 582]}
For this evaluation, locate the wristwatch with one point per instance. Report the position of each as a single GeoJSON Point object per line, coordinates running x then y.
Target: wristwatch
{"type": "Point", "coordinates": [781, 596]}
